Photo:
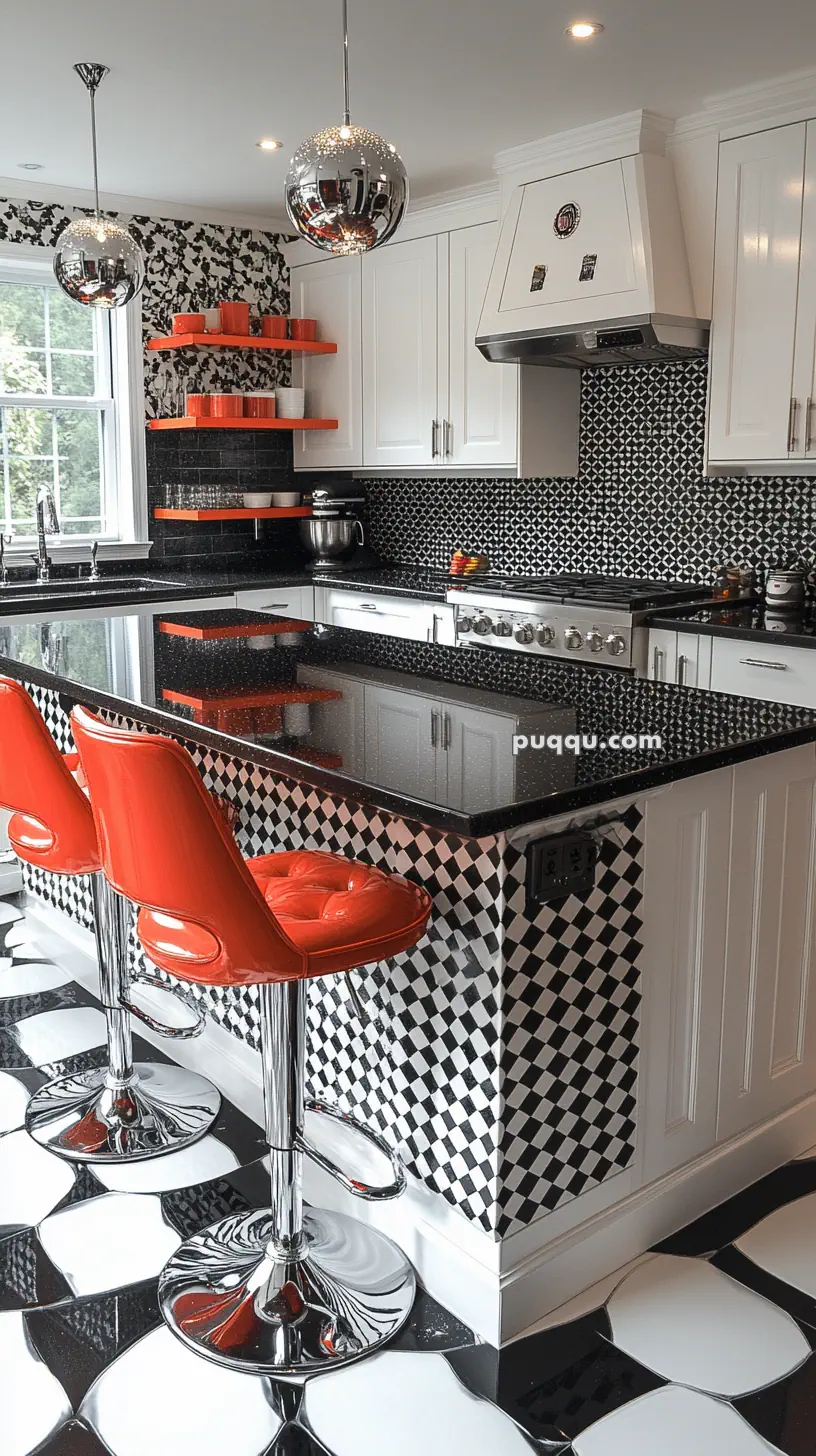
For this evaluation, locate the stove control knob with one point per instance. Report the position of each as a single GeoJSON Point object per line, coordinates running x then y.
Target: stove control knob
{"type": "Point", "coordinates": [573, 641]}
{"type": "Point", "coordinates": [544, 635]}
{"type": "Point", "coordinates": [465, 624]}
{"type": "Point", "coordinates": [594, 640]}
{"type": "Point", "coordinates": [502, 629]}
{"type": "Point", "coordinates": [523, 633]}
{"type": "Point", "coordinates": [615, 644]}
{"type": "Point", "coordinates": [482, 626]}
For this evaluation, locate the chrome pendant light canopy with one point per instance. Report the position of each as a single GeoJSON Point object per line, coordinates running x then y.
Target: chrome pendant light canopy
{"type": "Point", "coordinates": [98, 262]}
{"type": "Point", "coordinates": [346, 189]}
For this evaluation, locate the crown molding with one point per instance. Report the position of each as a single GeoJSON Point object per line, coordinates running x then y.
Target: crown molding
{"type": "Point", "coordinates": [29, 189]}
{"type": "Point", "coordinates": [585, 146]}
{"type": "Point", "coordinates": [751, 108]}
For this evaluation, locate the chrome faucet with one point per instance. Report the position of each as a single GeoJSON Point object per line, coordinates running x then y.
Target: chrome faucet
{"type": "Point", "coordinates": [4, 542]}
{"type": "Point", "coordinates": [47, 523]}
{"type": "Point", "coordinates": [93, 575]}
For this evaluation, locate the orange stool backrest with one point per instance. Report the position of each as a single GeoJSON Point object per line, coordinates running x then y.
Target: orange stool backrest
{"type": "Point", "coordinates": [165, 847]}
{"type": "Point", "coordinates": [52, 825]}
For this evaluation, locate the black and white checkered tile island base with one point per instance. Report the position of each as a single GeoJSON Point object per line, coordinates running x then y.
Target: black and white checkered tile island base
{"type": "Point", "coordinates": [500, 1054]}
{"type": "Point", "coordinates": [704, 1346]}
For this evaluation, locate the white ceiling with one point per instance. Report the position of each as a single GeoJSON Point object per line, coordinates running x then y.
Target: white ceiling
{"type": "Point", "coordinates": [194, 84]}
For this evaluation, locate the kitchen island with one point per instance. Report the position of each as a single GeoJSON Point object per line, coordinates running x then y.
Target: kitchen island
{"type": "Point", "coordinates": [607, 1027]}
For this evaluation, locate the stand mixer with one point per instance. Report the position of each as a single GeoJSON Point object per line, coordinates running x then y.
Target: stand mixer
{"type": "Point", "coordinates": [334, 534]}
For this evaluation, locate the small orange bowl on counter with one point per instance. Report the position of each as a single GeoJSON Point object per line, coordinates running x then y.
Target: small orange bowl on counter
{"type": "Point", "coordinates": [227, 406]}
{"type": "Point", "coordinates": [188, 323]}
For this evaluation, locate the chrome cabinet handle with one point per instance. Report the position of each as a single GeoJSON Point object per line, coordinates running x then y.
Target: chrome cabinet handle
{"type": "Point", "coordinates": [808, 424]}
{"type": "Point", "coordinates": [434, 439]}
{"type": "Point", "coordinates": [792, 436]}
{"type": "Point", "coordinates": [447, 732]}
{"type": "Point", "coordinates": [758, 662]}
{"type": "Point", "coordinates": [368, 607]}
{"type": "Point", "coordinates": [447, 439]}
{"type": "Point", "coordinates": [657, 665]}
{"type": "Point", "coordinates": [682, 664]}
{"type": "Point", "coordinates": [434, 729]}
{"type": "Point", "coordinates": [274, 606]}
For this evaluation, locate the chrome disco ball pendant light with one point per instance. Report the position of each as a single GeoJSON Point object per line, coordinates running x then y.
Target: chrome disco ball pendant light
{"type": "Point", "coordinates": [97, 261]}
{"type": "Point", "coordinates": [346, 189]}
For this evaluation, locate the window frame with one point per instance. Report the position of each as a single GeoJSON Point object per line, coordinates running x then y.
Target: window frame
{"type": "Point", "coordinates": [123, 414]}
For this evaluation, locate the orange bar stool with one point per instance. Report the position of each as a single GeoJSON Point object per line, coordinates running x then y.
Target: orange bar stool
{"type": "Point", "coordinates": [119, 1113]}
{"type": "Point", "coordinates": [277, 1290]}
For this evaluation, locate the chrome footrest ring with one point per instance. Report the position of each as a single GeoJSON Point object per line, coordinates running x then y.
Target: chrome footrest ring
{"type": "Point", "coordinates": [174, 1033]}
{"type": "Point", "coordinates": [371, 1193]}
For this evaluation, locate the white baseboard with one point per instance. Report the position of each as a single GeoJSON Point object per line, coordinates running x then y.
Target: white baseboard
{"type": "Point", "coordinates": [11, 879]}
{"type": "Point", "coordinates": [498, 1288]}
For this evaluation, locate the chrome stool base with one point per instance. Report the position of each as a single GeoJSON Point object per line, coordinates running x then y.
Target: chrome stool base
{"type": "Point", "coordinates": [227, 1297]}
{"type": "Point", "coordinates": [91, 1118]}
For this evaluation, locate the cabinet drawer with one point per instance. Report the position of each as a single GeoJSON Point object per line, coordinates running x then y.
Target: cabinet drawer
{"type": "Point", "coordinates": [416, 621]}
{"type": "Point", "coordinates": [286, 601]}
{"type": "Point", "coordinates": [781, 674]}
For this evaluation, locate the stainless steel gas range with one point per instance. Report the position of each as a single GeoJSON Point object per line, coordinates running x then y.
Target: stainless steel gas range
{"type": "Point", "coordinates": [586, 618]}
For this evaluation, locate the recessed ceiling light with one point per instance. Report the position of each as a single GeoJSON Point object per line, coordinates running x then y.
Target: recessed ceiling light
{"type": "Point", "coordinates": [584, 29]}
{"type": "Point", "coordinates": [31, 166]}
{"type": "Point", "coordinates": [268, 144]}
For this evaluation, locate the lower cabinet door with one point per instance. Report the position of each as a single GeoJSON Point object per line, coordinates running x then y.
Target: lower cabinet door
{"type": "Point", "coordinates": [769, 1017]}
{"type": "Point", "coordinates": [685, 907]}
{"type": "Point", "coordinates": [480, 767]}
{"type": "Point", "coordinates": [403, 741]}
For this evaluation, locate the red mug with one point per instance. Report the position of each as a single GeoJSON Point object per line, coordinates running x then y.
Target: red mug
{"type": "Point", "coordinates": [259, 406]}
{"type": "Point", "coordinates": [188, 323]}
{"type": "Point", "coordinates": [227, 406]}
{"type": "Point", "coordinates": [235, 318]}
{"type": "Point", "coordinates": [303, 329]}
{"type": "Point", "coordinates": [273, 326]}
{"type": "Point", "coordinates": [198, 405]}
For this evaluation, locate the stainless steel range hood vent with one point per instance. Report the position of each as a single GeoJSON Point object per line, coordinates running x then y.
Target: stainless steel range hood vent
{"type": "Point", "coordinates": [591, 269]}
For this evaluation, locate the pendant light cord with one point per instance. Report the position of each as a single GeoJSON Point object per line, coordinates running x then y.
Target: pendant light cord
{"type": "Point", "coordinates": [346, 112]}
{"type": "Point", "coordinates": [91, 73]}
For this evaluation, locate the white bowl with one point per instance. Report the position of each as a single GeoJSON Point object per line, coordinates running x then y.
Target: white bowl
{"type": "Point", "coordinates": [290, 403]}
{"type": "Point", "coordinates": [258, 500]}
{"type": "Point", "coordinates": [286, 498]}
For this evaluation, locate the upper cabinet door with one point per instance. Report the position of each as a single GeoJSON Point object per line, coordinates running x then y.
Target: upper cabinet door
{"type": "Point", "coordinates": [483, 408]}
{"type": "Point", "coordinates": [400, 355]}
{"type": "Point", "coordinates": [331, 292]}
{"type": "Point", "coordinates": [756, 279]}
{"type": "Point", "coordinates": [804, 383]}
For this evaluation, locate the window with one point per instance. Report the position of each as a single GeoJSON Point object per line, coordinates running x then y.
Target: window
{"type": "Point", "coordinates": [71, 408]}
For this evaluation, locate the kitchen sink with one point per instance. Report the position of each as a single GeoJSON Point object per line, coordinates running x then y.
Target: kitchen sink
{"type": "Point", "coordinates": [43, 590]}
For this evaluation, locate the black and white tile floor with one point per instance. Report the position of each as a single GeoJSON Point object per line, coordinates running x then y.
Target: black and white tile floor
{"type": "Point", "coordinates": [703, 1347]}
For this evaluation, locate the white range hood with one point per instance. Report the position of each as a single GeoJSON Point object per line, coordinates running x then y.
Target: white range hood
{"type": "Point", "coordinates": [591, 269]}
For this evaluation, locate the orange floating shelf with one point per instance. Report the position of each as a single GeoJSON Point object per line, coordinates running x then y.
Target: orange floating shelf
{"type": "Point", "coordinates": [231, 513]}
{"type": "Point", "coordinates": [244, 629]}
{"type": "Point", "coordinates": [273, 697]}
{"type": "Point", "coordinates": [240, 341]}
{"type": "Point", "coordinates": [207, 422]}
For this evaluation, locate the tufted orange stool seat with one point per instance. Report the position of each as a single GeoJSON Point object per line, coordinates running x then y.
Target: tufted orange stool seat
{"type": "Point", "coordinates": [276, 1290]}
{"type": "Point", "coordinates": [120, 1112]}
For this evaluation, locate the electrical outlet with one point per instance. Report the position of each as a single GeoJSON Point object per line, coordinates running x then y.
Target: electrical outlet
{"type": "Point", "coordinates": [563, 864]}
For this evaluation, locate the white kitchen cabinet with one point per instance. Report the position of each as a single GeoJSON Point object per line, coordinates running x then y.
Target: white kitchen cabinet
{"type": "Point", "coordinates": [777, 672]}
{"type": "Point", "coordinates": [403, 742]}
{"type": "Point", "coordinates": [480, 771]}
{"type": "Point", "coordinates": [479, 401]}
{"type": "Point", "coordinates": [331, 292]}
{"type": "Point", "coordinates": [401, 353]}
{"type": "Point", "coordinates": [408, 385]}
{"type": "Point", "coordinates": [769, 1013]}
{"type": "Point", "coordinates": [679, 657]}
{"type": "Point", "coordinates": [764, 315]}
{"type": "Point", "coordinates": [337, 726]}
{"type": "Point", "coordinates": [279, 601]}
{"type": "Point", "coordinates": [406, 617]}
{"type": "Point", "coordinates": [685, 908]}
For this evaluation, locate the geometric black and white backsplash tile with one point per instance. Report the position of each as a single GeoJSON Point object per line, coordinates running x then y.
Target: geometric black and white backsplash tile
{"type": "Point", "coordinates": [704, 1346]}
{"type": "Point", "coordinates": [640, 505]}
{"type": "Point", "coordinates": [503, 1138]}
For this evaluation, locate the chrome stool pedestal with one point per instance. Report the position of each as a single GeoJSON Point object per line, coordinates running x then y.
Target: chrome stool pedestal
{"type": "Point", "coordinates": [279, 1291]}
{"type": "Point", "coordinates": [122, 1113]}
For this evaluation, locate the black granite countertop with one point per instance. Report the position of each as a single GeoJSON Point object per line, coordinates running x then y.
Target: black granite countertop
{"type": "Point", "coordinates": [220, 691]}
{"type": "Point", "coordinates": [394, 580]}
{"type": "Point", "coordinates": [748, 621]}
